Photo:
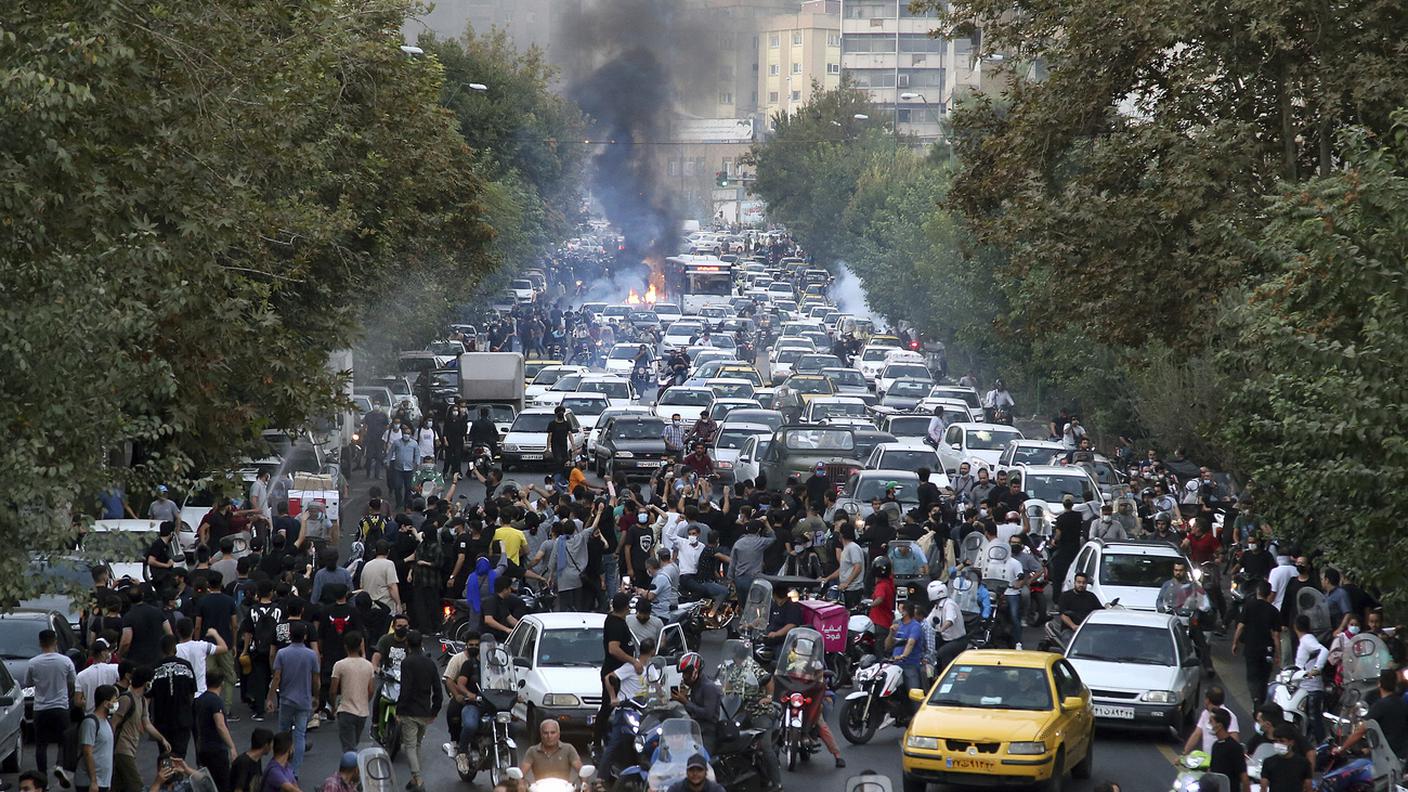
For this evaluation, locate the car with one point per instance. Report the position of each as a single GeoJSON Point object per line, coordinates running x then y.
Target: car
{"type": "Point", "coordinates": [19, 643]}
{"type": "Point", "coordinates": [867, 440]}
{"type": "Point", "coordinates": [907, 455]}
{"type": "Point", "coordinates": [706, 354]}
{"type": "Point", "coordinates": [796, 450]}
{"type": "Point", "coordinates": [999, 716]}
{"type": "Point", "coordinates": [954, 409]}
{"type": "Point", "coordinates": [587, 407]}
{"type": "Point", "coordinates": [798, 389]}
{"type": "Point", "coordinates": [532, 367]}
{"type": "Point", "coordinates": [594, 308]}
{"type": "Point", "coordinates": [145, 530]}
{"type": "Point", "coordinates": [975, 405]}
{"type": "Point", "coordinates": [631, 444]}
{"type": "Point", "coordinates": [813, 363]}
{"type": "Point", "coordinates": [1046, 486]}
{"type": "Point", "coordinates": [1028, 452]}
{"type": "Point", "coordinates": [612, 412]}
{"type": "Point", "coordinates": [836, 409]}
{"type": "Point", "coordinates": [871, 361]}
{"type": "Point", "coordinates": [642, 319]}
{"type": "Point", "coordinates": [780, 366]}
{"type": "Point", "coordinates": [501, 414]}
{"type": "Point", "coordinates": [903, 394]}
{"type": "Point", "coordinates": [556, 656]}
{"type": "Point", "coordinates": [820, 340]}
{"type": "Point", "coordinates": [547, 377]}
{"type": "Point", "coordinates": [12, 709]}
{"type": "Point", "coordinates": [723, 406]}
{"type": "Point", "coordinates": [689, 403]}
{"type": "Point", "coordinates": [1142, 669]}
{"type": "Point", "coordinates": [403, 394]}
{"type": "Point", "coordinates": [754, 415]}
{"type": "Point", "coordinates": [849, 382]}
{"type": "Point", "coordinates": [553, 396]}
{"type": "Point", "coordinates": [907, 371]}
{"type": "Point", "coordinates": [1112, 482]}
{"type": "Point", "coordinates": [1131, 571]}
{"type": "Point", "coordinates": [668, 313]}
{"type": "Point", "coordinates": [446, 352]}
{"type": "Point", "coordinates": [714, 313]}
{"type": "Point", "coordinates": [680, 332]}
{"type": "Point", "coordinates": [792, 342]}
{"type": "Point", "coordinates": [863, 486]}
{"type": "Point", "coordinates": [522, 290]}
{"type": "Point", "coordinates": [978, 444]}
{"type": "Point", "coordinates": [731, 369]}
{"type": "Point", "coordinates": [618, 390]}
{"type": "Point", "coordinates": [728, 445]}
{"type": "Point", "coordinates": [616, 313]}
{"type": "Point", "coordinates": [906, 425]}
{"type": "Point", "coordinates": [527, 439]}
{"type": "Point", "coordinates": [381, 397]}
{"type": "Point", "coordinates": [621, 358]}
{"type": "Point", "coordinates": [748, 465]}
{"type": "Point", "coordinates": [729, 388]}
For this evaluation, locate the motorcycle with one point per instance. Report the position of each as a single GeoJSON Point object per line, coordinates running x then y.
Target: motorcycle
{"type": "Point", "coordinates": [1290, 695]}
{"type": "Point", "coordinates": [386, 727]}
{"type": "Point", "coordinates": [1193, 775]}
{"type": "Point", "coordinates": [876, 702]}
{"type": "Point", "coordinates": [492, 749]}
{"type": "Point", "coordinates": [800, 682]}
{"type": "Point", "coordinates": [356, 453]}
{"type": "Point", "coordinates": [1188, 602]}
{"type": "Point", "coordinates": [642, 717]}
{"type": "Point", "coordinates": [663, 755]}
{"type": "Point", "coordinates": [737, 761]}
{"type": "Point", "coordinates": [585, 777]}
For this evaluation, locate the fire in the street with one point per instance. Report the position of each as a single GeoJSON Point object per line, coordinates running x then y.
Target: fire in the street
{"type": "Point", "coordinates": [633, 298]}
{"type": "Point", "coordinates": [651, 296]}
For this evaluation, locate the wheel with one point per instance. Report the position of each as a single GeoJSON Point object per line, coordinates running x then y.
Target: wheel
{"type": "Point", "coordinates": [391, 738]}
{"type": "Point", "coordinates": [855, 727]}
{"type": "Point", "coordinates": [1058, 773]}
{"type": "Point", "coordinates": [12, 762]}
{"type": "Point", "coordinates": [840, 666]}
{"type": "Point", "coordinates": [790, 754]}
{"type": "Point", "coordinates": [1086, 766]}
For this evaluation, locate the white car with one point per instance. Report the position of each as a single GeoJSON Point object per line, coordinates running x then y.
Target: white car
{"type": "Point", "coordinates": [688, 402]}
{"type": "Point", "coordinates": [557, 658]}
{"type": "Point", "coordinates": [908, 455]}
{"type": "Point", "coordinates": [730, 388]}
{"type": "Point", "coordinates": [792, 342]}
{"type": "Point", "coordinates": [833, 409]}
{"type": "Point", "coordinates": [782, 362]}
{"type": "Point", "coordinates": [621, 359]}
{"type": "Point", "coordinates": [608, 414]}
{"type": "Point", "coordinates": [748, 464]}
{"type": "Point", "coordinates": [903, 356]}
{"type": "Point", "coordinates": [669, 313]}
{"type": "Point", "coordinates": [968, 395]}
{"type": "Point", "coordinates": [1028, 452]}
{"type": "Point", "coordinates": [522, 290]}
{"type": "Point", "coordinates": [1132, 572]}
{"type": "Point", "coordinates": [527, 439]}
{"type": "Point", "coordinates": [679, 333]}
{"type": "Point", "coordinates": [871, 361]}
{"type": "Point", "coordinates": [954, 409]}
{"type": "Point", "coordinates": [616, 314]}
{"type": "Point", "coordinates": [722, 406]}
{"type": "Point", "coordinates": [1046, 486]}
{"type": "Point", "coordinates": [896, 371]}
{"type": "Point", "coordinates": [547, 377]}
{"type": "Point", "coordinates": [618, 390]}
{"type": "Point", "coordinates": [122, 544]}
{"type": "Point", "coordinates": [728, 445]}
{"type": "Point", "coordinates": [1142, 669]}
{"type": "Point", "coordinates": [978, 444]}
{"type": "Point", "coordinates": [587, 407]}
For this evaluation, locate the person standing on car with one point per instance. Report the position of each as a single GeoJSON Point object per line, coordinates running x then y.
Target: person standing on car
{"type": "Point", "coordinates": [420, 700]}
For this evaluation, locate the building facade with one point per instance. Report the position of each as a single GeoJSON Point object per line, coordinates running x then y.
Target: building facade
{"type": "Point", "coordinates": [887, 51]}
{"type": "Point", "coordinates": [798, 53]}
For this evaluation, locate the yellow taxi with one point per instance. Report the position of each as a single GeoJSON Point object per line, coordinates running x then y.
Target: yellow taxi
{"type": "Point", "coordinates": [999, 717]}
{"type": "Point", "coordinates": [741, 371]}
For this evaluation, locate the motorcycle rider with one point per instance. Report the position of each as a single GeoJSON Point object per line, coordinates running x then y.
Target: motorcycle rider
{"type": "Point", "coordinates": [1310, 656]}
{"type": "Point", "coordinates": [551, 757]}
{"type": "Point", "coordinates": [1390, 712]}
{"type": "Point", "coordinates": [905, 643]}
{"type": "Point", "coordinates": [696, 777]}
{"type": "Point", "coordinates": [623, 684]}
{"type": "Point", "coordinates": [482, 432]}
{"type": "Point", "coordinates": [998, 400]}
{"type": "Point", "coordinates": [945, 634]}
{"type": "Point", "coordinates": [1182, 593]}
{"type": "Point", "coordinates": [753, 684]}
{"type": "Point", "coordinates": [784, 617]}
{"type": "Point", "coordinates": [1072, 607]}
{"type": "Point", "coordinates": [701, 698]}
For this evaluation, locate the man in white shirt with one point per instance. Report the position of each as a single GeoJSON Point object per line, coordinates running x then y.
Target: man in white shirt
{"type": "Point", "coordinates": [1203, 733]}
{"type": "Point", "coordinates": [1310, 658]}
{"type": "Point", "coordinates": [937, 426]}
{"type": "Point", "coordinates": [688, 550]}
{"type": "Point", "coordinates": [101, 671]}
{"type": "Point", "coordinates": [944, 628]}
{"type": "Point", "coordinates": [196, 650]}
{"type": "Point", "coordinates": [1281, 575]}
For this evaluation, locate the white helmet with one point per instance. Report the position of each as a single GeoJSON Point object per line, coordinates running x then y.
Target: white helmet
{"type": "Point", "coordinates": [938, 592]}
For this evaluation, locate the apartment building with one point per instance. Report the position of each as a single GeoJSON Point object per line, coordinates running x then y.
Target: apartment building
{"type": "Point", "coordinates": [797, 53]}
{"type": "Point", "coordinates": [887, 51]}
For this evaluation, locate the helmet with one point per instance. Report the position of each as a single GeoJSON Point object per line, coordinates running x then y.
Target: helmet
{"type": "Point", "coordinates": [937, 591]}
{"type": "Point", "coordinates": [880, 566]}
{"type": "Point", "coordinates": [690, 661]}
{"type": "Point", "coordinates": [1163, 516]}
{"type": "Point", "coordinates": [1147, 492]}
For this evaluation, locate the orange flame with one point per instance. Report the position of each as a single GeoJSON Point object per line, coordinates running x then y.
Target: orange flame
{"type": "Point", "coordinates": [650, 295]}
{"type": "Point", "coordinates": [633, 298]}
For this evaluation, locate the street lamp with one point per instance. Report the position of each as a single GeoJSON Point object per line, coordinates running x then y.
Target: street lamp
{"type": "Point", "coordinates": [907, 96]}
{"type": "Point", "coordinates": [412, 51]}
{"type": "Point", "coordinates": [861, 117]}
{"type": "Point", "coordinates": [477, 86]}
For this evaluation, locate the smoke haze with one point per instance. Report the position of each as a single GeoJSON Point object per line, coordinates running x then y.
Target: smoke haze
{"type": "Point", "coordinates": [849, 295]}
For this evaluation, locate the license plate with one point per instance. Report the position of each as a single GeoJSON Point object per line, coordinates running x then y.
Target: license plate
{"type": "Point", "coordinates": [591, 719]}
{"type": "Point", "coordinates": [968, 763]}
{"type": "Point", "coordinates": [1108, 711]}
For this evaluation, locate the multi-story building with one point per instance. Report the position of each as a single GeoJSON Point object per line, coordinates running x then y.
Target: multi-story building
{"type": "Point", "coordinates": [888, 51]}
{"type": "Point", "coordinates": [528, 23]}
{"type": "Point", "coordinates": [797, 52]}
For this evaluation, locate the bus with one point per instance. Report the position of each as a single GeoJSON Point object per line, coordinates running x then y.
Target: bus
{"type": "Point", "coordinates": [698, 281]}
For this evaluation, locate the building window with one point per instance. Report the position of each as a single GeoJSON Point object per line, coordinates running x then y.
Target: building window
{"type": "Point", "coordinates": [772, 97]}
{"type": "Point", "coordinates": [774, 40]}
{"type": "Point", "coordinates": [796, 68]}
{"type": "Point", "coordinates": [833, 39]}
{"type": "Point", "coordinates": [725, 74]}
{"type": "Point", "coordinates": [797, 38]}
{"type": "Point", "coordinates": [672, 168]}
{"type": "Point", "coordinates": [774, 69]}
{"type": "Point", "coordinates": [689, 167]}
{"type": "Point", "coordinates": [796, 96]}
{"type": "Point", "coordinates": [726, 97]}
{"type": "Point", "coordinates": [833, 68]}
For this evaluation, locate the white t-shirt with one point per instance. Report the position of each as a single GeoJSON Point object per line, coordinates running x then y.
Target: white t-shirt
{"type": "Point", "coordinates": [631, 682]}
{"type": "Point", "coordinates": [853, 555]}
{"type": "Point", "coordinates": [1014, 571]}
{"type": "Point", "coordinates": [687, 553]}
{"type": "Point", "coordinates": [1279, 577]}
{"type": "Point", "coordinates": [377, 577]}
{"type": "Point", "coordinates": [1008, 530]}
{"type": "Point", "coordinates": [1205, 726]}
{"type": "Point", "coordinates": [90, 678]}
{"type": "Point", "coordinates": [1311, 656]}
{"type": "Point", "coordinates": [195, 652]}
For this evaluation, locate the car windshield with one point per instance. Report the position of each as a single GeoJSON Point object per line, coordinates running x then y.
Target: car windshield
{"type": "Point", "coordinates": [444, 379]}
{"type": "Point", "coordinates": [643, 317]}
{"type": "Point", "coordinates": [567, 384]}
{"type": "Point", "coordinates": [445, 347]}
{"type": "Point", "coordinates": [1122, 569]}
{"type": "Point", "coordinates": [689, 398]}
{"type": "Point", "coordinates": [1105, 473]}
{"type": "Point", "coordinates": [612, 389]}
{"type": "Point", "coordinates": [741, 373]}
{"type": "Point", "coordinates": [531, 422]}
{"type": "Point", "coordinates": [790, 355]}
{"type": "Point", "coordinates": [667, 309]}
{"type": "Point", "coordinates": [908, 460]}
{"type": "Point", "coordinates": [838, 410]}
{"type": "Point", "coordinates": [499, 413]}
{"type": "Point", "coordinates": [769, 418]}
{"type": "Point", "coordinates": [116, 546]}
{"type": "Point", "coordinates": [685, 327]}
{"type": "Point", "coordinates": [19, 638]}
{"type": "Point", "coordinates": [847, 377]}
{"type": "Point", "coordinates": [520, 284]}
{"type": "Point", "coordinates": [819, 440]}
{"type": "Point", "coordinates": [969, 397]}
{"type": "Point", "coordinates": [993, 687]}
{"type": "Point", "coordinates": [810, 385]}
{"type": "Point", "coordinates": [616, 310]}
{"type": "Point", "coordinates": [734, 438]}
{"type": "Point", "coordinates": [550, 376]}
{"type": "Point", "coordinates": [908, 370]}
{"type": "Point", "coordinates": [1052, 488]}
{"type": "Point", "coordinates": [732, 390]}
{"type": "Point", "coordinates": [871, 487]}
{"type": "Point", "coordinates": [910, 426]}
{"type": "Point", "coordinates": [989, 439]}
{"type": "Point", "coordinates": [814, 362]}
{"type": "Point", "coordinates": [569, 648]}
{"type": "Point", "coordinates": [1123, 643]}
{"type": "Point", "coordinates": [638, 430]}
{"type": "Point", "coordinates": [626, 353]}
{"type": "Point", "coordinates": [581, 406]}
{"type": "Point", "coordinates": [908, 388]}
{"type": "Point", "coordinates": [1031, 455]}
{"type": "Point", "coordinates": [874, 354]}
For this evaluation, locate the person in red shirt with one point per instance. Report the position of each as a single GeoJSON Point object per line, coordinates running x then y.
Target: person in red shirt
{"type": "Point", "coordinates": [882, 606]}
{"type": "Point", "coordinates": [1201, 545]}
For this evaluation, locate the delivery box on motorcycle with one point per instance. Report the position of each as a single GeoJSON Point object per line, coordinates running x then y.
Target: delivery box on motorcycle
{"type": "Point", "coordinates": [829, 619]}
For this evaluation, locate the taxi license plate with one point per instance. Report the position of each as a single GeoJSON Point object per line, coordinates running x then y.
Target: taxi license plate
{"type": "Point", "coordinates": [968, 763]}
{"type": "Point", "coordinates": [1108, 711]}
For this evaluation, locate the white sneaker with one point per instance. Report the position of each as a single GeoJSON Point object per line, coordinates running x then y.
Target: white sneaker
{"type": "Point", "coordinates": [449, 748]}
{"type": "Point", "coordinates": [1018, 646]}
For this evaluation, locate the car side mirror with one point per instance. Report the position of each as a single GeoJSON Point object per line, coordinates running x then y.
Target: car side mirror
{"type": "Point", "coordinates": [916, 695]}
{"type": "Point", "coordinates": [521, 662]}
{"type": "Point", "coordinates": [1191, 661]}
{"type": "Point", "coordinates": [955, 446]}
{"type": "Point", "coordinates": [1072, 703]}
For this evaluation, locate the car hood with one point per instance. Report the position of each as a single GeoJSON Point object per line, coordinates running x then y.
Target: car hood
{"type": "Point", "coordinates": [1141, 598]}
{"type": "Point", "coordinates": [989, 457]}
{"type": "Point", "coordinates": [1098, 674]}
{"type": "Point", "coordinates": [650, 446]}
{"type": "Point", "coordinates": [579, 681]}
{"type": "Point", "coordinates": [729, 455]}
{"type": "Point", "coordinates": [980, 725]}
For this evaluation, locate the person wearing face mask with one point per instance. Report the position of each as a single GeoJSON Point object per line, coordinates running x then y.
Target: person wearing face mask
{"type": "Point", "coordinates": [688, 549]}
{"type": "Point", "coordinates": [454, 430]}
{"type": "Point", "coordinates": [401, 459]}
{"type": "Point", "coordinates": [637, 546]}
{"type": "Point", "coordinates": [1293, 585]}
{"type": "Point", "coordinates": [1256, 562]}
{"type": "Point", "coordinates": [427, 438]}
{"type": "Point", "coordinates": [1106, 527]}
{"type": "Point", "coordinates": [1287, 770]}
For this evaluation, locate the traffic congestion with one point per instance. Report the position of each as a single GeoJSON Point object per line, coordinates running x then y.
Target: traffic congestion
{"type": "Point", "coordinates": [704, 533]}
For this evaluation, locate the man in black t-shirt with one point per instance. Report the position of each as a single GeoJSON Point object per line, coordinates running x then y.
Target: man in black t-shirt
{"type": "Point", "coordinates": [617, 648]}
{"type": "Point", "coordinates": [172, 688]}
{"type": "Point", "coordinates": [640, 542]}
{"type": "Point", "coordinates": [142, 629]}
{"type": "Point", "coordinates": [501, 610]}
{"type": "Point", "coordinates": [1289, 771]}
{"type": "Point", "coordinates": [1227, 757]}
{"type": "Point", "coordinates": [1259, 631]}
{"type": "Point", "coordinates": [247, 772]}
{"type": "Point", "coordinates": [559, 439]}
{"type": "Point", "coordinates": [1390, 712]}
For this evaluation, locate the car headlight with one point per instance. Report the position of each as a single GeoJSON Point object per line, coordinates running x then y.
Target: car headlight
{"type": "Point", "coordinates": [27, 692]}
{"type": "Point", "coordinates": [923, 743]}
{"type": "Point", "coordinates": [624, 455]}
{"type": "Point", "coordinates": [561, 700]}
{"type": "Point", "coordinates": [510, 446]}
{"type": "Point", "coordinates": [1158, 696]}
{"type": "Point", "coordinates": [1027, 748]}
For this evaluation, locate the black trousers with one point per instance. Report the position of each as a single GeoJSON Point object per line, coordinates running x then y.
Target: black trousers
{"type": "Point", "coordinates": [217, 763]}
{"type": "Point", "coordinates": [1258, 673]}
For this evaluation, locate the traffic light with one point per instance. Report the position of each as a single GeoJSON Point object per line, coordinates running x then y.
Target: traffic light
{"type": "Point", "coordinates": [722, 178]}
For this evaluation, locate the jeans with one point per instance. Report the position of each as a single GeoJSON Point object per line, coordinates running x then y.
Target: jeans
{"type": "Point", "coordinates": [693, 584]}
{"type": "Point", "coordinates": [608, 572]}
{"type": "Point", "coordinates": [295, 718]}
{"type": "Point", "coordinates": [1315, 716]}
{"type": "Point", "coordinates": [570, 600]}
{"type": "Point", "coordinates": [412, 734]}
{"type": "Point", "coordinates": [400, 483]}
{"type": "Point", "coordinates": [620, 733]}
{"type": "Point", "coordinates": [1014, 614]}
{"type": "Point", "coordinates": [469, 725]}
{"type": "Point", "coordinates": [349, 730]}
{"type": "Point", "coordinates": [49, 727]}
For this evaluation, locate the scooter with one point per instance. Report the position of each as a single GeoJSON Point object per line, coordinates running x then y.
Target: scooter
{"type": "Point", "coordinates": [586, 776]}
{"type": "Point", "coordinates": [1294, 700]}
{"type": "Point", "coordinates": [1193, 775]}
{"type": "Point", "coordinates": [875, 703]}
{"type": "Point", "coordinates": [386, 727]}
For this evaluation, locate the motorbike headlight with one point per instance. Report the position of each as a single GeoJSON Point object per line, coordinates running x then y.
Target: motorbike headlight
{"type": "Point", "coordinates": [27, 692]}
{"type": "Point", "coordinates": [625, 455]}
{"type": "Point", "coordinates": [561, 700]}
{"type": "Point", "coordinates": [504, 717]}
{"type": "Point", "coordinates": [923, 743]}
{"type": "Point", "coordinates": [640, 745]}
{"type": "Point", "coordinates": [1027, 748]}
{"type": "Point", "coordinates": [1158, 696]}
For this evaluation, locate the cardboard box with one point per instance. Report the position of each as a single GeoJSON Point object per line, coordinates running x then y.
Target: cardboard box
{"type": "Point", "coordinates": [330, 498]}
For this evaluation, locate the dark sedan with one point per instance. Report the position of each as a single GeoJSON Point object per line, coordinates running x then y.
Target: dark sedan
{"type": "Point", "coordinates": [632, 444]}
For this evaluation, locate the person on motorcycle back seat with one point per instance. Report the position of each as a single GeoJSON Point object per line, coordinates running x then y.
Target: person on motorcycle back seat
{"type": "Point", "coordinates": [483, 432]}
{"type": "Point", "coordinates": [784, 617]}
{"type": "Point", "coordinates": [704, 429]}
{"type": "Point", "coordinates": [882, 607]}
{"type": "Point", "coordinates": [642, 358]}
{"type": "Point", "coordinates": [701, 698]}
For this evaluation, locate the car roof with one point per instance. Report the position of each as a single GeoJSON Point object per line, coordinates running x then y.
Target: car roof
{"type": "Point", "coordinates": [1133, 618]}
{"type": "Point", "coordinates": [887, 473]}
{"type": "Point", "coordinates": [595, 377]}
{"type": "Point", "coordinates": [637, 418]}
{"type": "Point", "coordinates": [1006, 657]}
{"type": "Point", "coordinates": [104, 526]}
{"type": "Point", "coordinates": [1030, 443]}
{"type": "Point", "coordinates": [838, 399]}
{"type": "Point", "coordinates": [1137, 548]}
{"type": "Point", "coordinates": [29, 614]}
{"type": "Point", "coordinates": [747, 426]}
{"type": "Point", "coordinates": [1054, 470]}
{"type": "Point", "coordinates": [906, 445]}
{"type": "Point", "coordinates": [568, 621]}
{"type": "Point", "coordinates": [586, 396]}
{"type": "Point", "coordinates": [538, 410]}
{"type": "Point", "coordinates": [979, 425]}
{"type": "Point", "coordinates": [726, 381]}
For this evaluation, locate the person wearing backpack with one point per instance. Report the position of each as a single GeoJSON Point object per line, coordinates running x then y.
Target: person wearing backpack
{"type": "Point", "coordinates": [96, 737]}
{"type": "Point", "coordinates": [129, 723]}
{"type": "Point", "coordinates": [257, 640]}
{"type": "Point", "coordinates": [334, 623]}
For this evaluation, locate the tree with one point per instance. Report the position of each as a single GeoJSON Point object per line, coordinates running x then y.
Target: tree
{"type": "Point", "coordinates": [198, 201]}
{"type": "Point", "coordinates": [1320, 356]}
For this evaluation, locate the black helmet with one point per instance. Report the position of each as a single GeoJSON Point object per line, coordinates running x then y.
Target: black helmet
{"type": "Point", "coordinates": [1147, 492]}
{"type": "Point", "coordinates": [880, 566]}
